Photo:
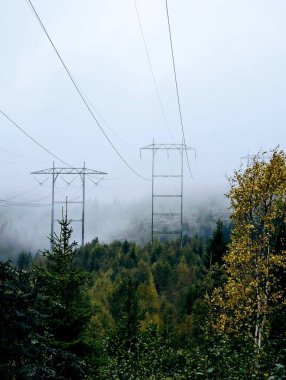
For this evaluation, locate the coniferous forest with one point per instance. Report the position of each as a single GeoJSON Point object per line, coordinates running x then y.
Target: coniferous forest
{"type": "Point", "coordinates": [203, 308]}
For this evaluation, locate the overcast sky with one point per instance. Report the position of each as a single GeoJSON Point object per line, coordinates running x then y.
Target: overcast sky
{"type": "Point", "coordinates": [230, 59]}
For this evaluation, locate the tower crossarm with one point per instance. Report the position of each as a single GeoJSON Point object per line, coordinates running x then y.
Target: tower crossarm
{"type": "Point", "coordinates": [68, 171]}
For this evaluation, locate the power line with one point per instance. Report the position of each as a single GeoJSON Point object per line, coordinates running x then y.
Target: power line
{"type": "Point", "coordinates": [32, 138]}
{"type": "Point", "coordinates": [177, 87]}
{"type": "Point", "coordinates": [12, 203]}
{"type": "Point", "coordinates": [23, 193]}
{"type": "Point", "coordinates": [152, 71]}
{"type": "Point", "coordinates": [81, 94]}
{"type": "Point", "coordinates": [104, 120]}
{"type": "Point", "coordinates": [5, 202]}
{"type": "Point", "coordinates": [36, 142]}
{"type": "Point", "coordinates": [8, 202]}
{"type": "Point", "coordinates": [17, 155]}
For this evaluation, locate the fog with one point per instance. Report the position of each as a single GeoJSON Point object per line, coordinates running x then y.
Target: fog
{"type": "Point", "coordinates": [28, 229]}
{"type": "Point", "coordinates": [230, 62]}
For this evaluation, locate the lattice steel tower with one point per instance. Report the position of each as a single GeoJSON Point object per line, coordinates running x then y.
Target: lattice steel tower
{"type": "Point", "coordinates": [55, 173]}
{"type": "Point", "coordinates": [168, 221]}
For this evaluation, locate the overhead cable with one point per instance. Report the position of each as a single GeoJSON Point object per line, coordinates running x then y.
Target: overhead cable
{"type": "Point", "coordinates": [5, 202]}
{"type": "Point", "coordinates": [104, 120]}
{"type": "Point", "coordinates": [17, 155]}
{"type": "Point", "coordinates": [23, 193]}
{"type": "Point", "coordinates": [80, 93]}
{"type": "Point", "coordinates": [34, 140]}
{"type": "Point", "coordinates": [177, 87]}
{"type": "Point", "coordinates": [152, 71]}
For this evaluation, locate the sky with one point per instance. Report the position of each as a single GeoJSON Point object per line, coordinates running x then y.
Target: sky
{"type": "Point", "coordinates": [230, 61]}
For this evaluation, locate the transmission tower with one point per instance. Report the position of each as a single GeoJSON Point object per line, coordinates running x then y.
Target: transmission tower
{"type": "Point", "coordinates": [249, 157]}
{"type": "Point", "coordinates": [68, 171]}
{"type": "Point", "coordinates": [168, 221]}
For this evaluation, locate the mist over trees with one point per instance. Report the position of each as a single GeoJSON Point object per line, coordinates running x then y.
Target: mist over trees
{"type": "Point", "coordinates": [211, 308]}
{"type": "Point", "coordinates": [28, 230]}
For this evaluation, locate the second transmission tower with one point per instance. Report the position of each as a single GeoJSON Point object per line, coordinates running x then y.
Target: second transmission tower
{"type": "Point", "coordinates": [169, 220]}
{"type": "Point", "coordinates": [68, 171]}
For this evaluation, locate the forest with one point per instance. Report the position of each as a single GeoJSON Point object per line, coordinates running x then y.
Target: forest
{"type": "Point", "coordinates": [203, 308]}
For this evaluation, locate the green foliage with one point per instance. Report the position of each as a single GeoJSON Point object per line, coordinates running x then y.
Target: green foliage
{"type": "Point", "coordinates": [217, 246]}
{"type": "Point", "coordinates": [24, 260]}
{"type": "Point", "coordinates": [16, 327]}
{"type": "Point", "coordinates": [151, 357]}
{"type": "Point", "coordinates": [159, 311]}
{"type": "Point", "coordinates": [24, 347]}
{"type": "Point", "coordinates": [243, 309]}
{"type": "Point", "coordinates": [125, 310]}
{"type": "Point", "coordinates": [62, 299]}
{"type": "Point", "coordinates": [162, 272]}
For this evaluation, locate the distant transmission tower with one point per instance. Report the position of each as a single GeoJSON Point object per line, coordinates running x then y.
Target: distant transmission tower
{"type": "Point", "coordinates": [249, 157]}
{"type": "Point", "coordinates": [56, 172]}
{"type": "Point", "coordinates": [167, 219]}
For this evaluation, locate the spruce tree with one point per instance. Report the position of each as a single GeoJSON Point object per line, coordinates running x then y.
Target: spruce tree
{"type": "Point", "coordinates": [66, 306]}
{"type": "Point", "coordinates": [217, 246]}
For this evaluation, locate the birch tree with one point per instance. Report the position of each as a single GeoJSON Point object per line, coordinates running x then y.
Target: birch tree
{"type": "Point", "coordinates": [258, 201]}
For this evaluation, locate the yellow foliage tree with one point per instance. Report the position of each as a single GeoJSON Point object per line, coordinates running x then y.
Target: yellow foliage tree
{"type": "Point", "coordinates": [100, 294]}
{"type": "Point", "coordinates": [258, 201]}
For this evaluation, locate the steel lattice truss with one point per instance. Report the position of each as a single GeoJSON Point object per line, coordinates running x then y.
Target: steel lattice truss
{"type": "Point", "coordinates": [179, 147]}
{"type": "Point", "coordinates": [163, 223]}
{"type": "Point", "coordinates": [63, 171]}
